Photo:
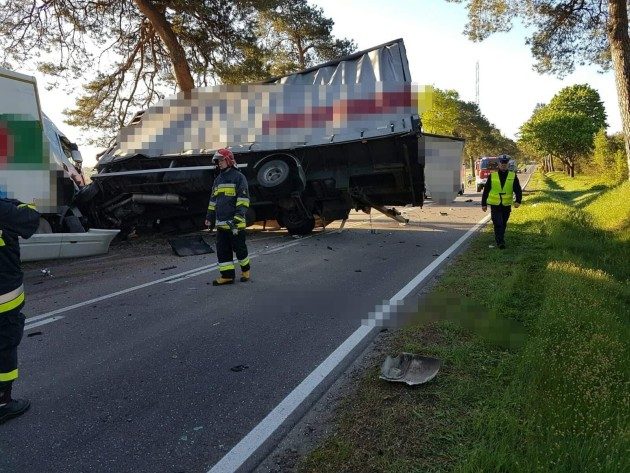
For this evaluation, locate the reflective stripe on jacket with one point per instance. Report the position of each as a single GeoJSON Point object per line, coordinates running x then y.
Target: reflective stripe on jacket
{"type": "Point", "coordinates": [229, 199]}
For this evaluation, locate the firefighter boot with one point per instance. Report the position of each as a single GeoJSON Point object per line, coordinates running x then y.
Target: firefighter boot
{"type": "Point", "coordinates": [14, 408]}
{"type": "Point", "coordinates": [9, 407]}
{"type": "Point", "coordinates": [221, 281]}
{"type": "Point", "coordinates": [245, 276]}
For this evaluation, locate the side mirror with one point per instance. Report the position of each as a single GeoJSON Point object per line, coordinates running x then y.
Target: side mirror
{"type": "Point", "coordinates": [76, 154]}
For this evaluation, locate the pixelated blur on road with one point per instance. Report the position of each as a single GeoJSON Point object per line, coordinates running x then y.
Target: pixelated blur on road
{"type": "Point", "coordinates": [171, 375]}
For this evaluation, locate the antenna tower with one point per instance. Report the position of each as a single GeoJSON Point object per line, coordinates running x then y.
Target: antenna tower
{"type": "Point", "coordinates": [477, 83]}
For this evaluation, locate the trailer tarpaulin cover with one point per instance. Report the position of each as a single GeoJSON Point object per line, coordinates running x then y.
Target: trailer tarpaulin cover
{"type": "Point", "coordinates": [365, 94]}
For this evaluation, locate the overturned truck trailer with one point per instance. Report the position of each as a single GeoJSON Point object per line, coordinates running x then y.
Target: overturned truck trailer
{"type": "Point", "coordinates": [315, 144]}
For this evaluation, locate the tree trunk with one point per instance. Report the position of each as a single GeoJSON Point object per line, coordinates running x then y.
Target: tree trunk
{"type": "Point", "coordinates": [301, 53]}
{"type": "Point", "coordinates": [165, 30]}
{"type": "Point", "coordinates": [620, 51]}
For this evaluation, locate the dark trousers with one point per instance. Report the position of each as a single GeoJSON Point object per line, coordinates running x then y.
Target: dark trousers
{"type": "Point", "coordinates": [227, 245]}
{"type": "Point", "coordinates": [11, 330]}
{"type": "Point", "coordinates": [500, 216]}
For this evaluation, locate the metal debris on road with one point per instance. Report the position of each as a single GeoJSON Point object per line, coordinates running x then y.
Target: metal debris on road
{"type": "Point", "coordinates": [238, 368]}
{"type": "Point", "coordinates": [46, 272]}
{"type": "Point", "coordinates": [167, 268]}
{"type": "Point", "coordinates": [410, 368]}
{"type": "Point", "coordinates": [190, 245]}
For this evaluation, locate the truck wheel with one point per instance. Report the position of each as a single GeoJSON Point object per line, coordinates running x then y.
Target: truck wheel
{"type": "Point", "coordinates": [273, 173]}
{"type": "Point", "coordinates": [298, 223]}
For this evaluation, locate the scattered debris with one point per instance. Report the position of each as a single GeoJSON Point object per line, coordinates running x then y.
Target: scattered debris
{"type": "Point", "coordinates": [46, 272]}
{"type": "Point", "coordinates": [34, 334]}
{"type": "Point", "coordinates": [190, 245]}
{"type": "Point", "coordinates": [468, 200]}
{"type": "Point", "coordinates": [238, 368]}
{"type": "Point", "coordinates": [490, 246]}
{"type": "Point", "coordinates": [410, 369]}
{"type": "Point", "coordinates": [296, 237]}
{"type": "Point", "coordinates": [357, 271]}
{"type": "Point", "coordinates": [167, 268]}
{"type": "Point", "coordinates": [443, 213]}
{"type": "Point", "coordinates": [436, 254]}
{"type": "Point", "coordinates": [330, 248]}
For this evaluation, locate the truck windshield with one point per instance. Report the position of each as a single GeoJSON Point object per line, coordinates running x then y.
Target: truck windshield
{"type": "Point", "coordinates": [490, 164]}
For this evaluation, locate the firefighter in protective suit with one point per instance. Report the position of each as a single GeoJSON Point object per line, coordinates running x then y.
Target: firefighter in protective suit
{"type": "Point", "coordinates": [226, 210]}
{"type": "Point", "coordinates": [16, 219]}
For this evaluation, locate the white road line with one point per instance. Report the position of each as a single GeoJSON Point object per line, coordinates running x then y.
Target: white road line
{"type": "Point", "coordinates": [30, 321]}
{"type": "Point", "coordinates": [43, 322]}
{"type": "Point", "coordinates": [251, 256]}
{"type": "Point", "coordinates": [212, 267]}
{"type": "Point", "coordinates": [243, 450]}
{"type": "Point", "coordinates": [107, 296]}
{"type": "Point", "coordinates": [256, 254]}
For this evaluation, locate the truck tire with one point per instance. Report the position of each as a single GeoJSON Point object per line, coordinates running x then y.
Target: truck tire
{"type": "Point", "coordinates": [297, 223]}
{"type": "Point", "coordinates": [273, 173]}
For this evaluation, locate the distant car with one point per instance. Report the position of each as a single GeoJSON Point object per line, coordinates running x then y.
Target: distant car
{"type": "Point", "coordinates": [485, 166]}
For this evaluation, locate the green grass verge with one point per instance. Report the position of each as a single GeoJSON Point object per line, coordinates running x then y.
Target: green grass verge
{"type": "Point", "coordinates": [534, 343]}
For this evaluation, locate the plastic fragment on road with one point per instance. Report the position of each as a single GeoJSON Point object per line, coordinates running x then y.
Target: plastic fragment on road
{"type": "Point", "coordinates": [410, 368]}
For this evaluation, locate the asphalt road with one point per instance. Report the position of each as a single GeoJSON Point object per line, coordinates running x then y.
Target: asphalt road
{"type": "Point", "coordinates": [170, 375]}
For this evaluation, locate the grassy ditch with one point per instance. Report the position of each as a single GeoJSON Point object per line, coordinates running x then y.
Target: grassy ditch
{"type": "Point", "coordinates": [534, 343]}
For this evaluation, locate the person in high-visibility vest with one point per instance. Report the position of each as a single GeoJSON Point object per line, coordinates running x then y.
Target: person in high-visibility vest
{"type": "Point", "coordinates": [501, 191]}
{"type": "Point", "coordinates": [16, 219]}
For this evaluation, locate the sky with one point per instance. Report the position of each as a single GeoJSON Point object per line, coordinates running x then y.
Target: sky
{"type": "Point", "coordinates": [439, 54]}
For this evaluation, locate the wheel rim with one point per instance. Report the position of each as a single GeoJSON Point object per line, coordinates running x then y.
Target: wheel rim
{"type": "Point", "coordinates": [273, 175]}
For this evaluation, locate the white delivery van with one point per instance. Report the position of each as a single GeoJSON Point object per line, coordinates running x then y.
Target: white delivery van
{"type": "Point", "coordinates": [40, 165]}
